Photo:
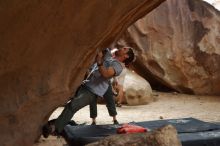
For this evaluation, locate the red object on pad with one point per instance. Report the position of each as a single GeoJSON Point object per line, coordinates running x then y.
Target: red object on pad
{"type": "Point", "coordinates": [129, 128]}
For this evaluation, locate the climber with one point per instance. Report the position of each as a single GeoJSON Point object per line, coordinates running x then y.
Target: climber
{"type": "Point", "coordinates": [97, 85]}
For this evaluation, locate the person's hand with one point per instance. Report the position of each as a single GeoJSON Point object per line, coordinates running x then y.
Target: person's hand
{"type": "Point", "coordinates": [99, 58]}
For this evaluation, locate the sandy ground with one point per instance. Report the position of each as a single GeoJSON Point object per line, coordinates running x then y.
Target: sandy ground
{"type": "Point", "coordinates": [165, 106]}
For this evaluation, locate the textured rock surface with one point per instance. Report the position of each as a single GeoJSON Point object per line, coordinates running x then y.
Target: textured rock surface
{"type": "Point", "coordinates": [137, 90]}
{"type": "Point", "coordinates": [45, 48]}
{"type": "Point", "coordinates": [165, 136]}
{"type": "Point", "coordinates": [178, 45]}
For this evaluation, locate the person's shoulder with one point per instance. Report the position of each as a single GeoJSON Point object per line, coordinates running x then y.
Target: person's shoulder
{"type": "Point", "coordinates": [117, 64]}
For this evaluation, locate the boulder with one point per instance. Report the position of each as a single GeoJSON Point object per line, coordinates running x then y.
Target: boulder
{"type": "Point", "coordinates": [178, 46]}
{"type": "Point", "coordinates": [137, 91]}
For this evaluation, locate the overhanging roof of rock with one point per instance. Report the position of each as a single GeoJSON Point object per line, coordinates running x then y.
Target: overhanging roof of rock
{"type": "Point", "coordinates": [45, 48]}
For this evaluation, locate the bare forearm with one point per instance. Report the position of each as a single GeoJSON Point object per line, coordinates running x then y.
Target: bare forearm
{"type": "Point", "coordinates": [106, 72]}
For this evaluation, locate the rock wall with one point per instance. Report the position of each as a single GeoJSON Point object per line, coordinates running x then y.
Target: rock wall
{"type": "Point", "coordinates": [178, 46]}
{"type": "Point", "coordinates": [45, 48]}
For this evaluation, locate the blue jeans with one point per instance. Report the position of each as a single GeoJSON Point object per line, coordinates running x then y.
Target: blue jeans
{"type": "Point", "coordinates": [83, 98]}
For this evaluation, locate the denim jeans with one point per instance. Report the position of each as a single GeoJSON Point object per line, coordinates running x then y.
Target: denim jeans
{"type": "Point", "coordinates": [83, 98]}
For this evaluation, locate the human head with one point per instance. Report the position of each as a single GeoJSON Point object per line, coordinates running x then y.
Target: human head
{"type": "Point", "coordinates": [131, 57]}
{"type": "Point", "coordinates": [126, 55]}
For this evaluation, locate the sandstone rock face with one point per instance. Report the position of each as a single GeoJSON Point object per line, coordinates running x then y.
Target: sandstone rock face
{"type": "Point", "coordinates": [137, 90]}
{"type": "Point", "coordinates": [45, 49]}
{"type": "Point", "coordinates": [178, 45]}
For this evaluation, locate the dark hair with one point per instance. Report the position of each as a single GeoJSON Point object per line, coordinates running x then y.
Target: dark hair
{"type": "Point", "coordinates": [131, 57]}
